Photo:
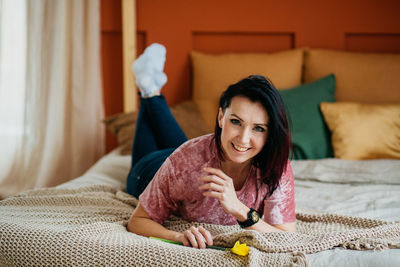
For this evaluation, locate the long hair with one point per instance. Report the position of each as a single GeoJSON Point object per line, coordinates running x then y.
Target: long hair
{"type": "Point", "coordinates": [273, 158]}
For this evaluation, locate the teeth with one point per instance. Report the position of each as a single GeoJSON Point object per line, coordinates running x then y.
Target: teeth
{"type": "Point", "coordinates": [240, 148]}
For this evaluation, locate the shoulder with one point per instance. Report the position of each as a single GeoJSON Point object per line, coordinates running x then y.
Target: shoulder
{"type": "Point", "coordinates": [194, 154]}
{"type": "Point", "coordinates": [287, 175]}
{"type": "Point", "coordinates": [197, 142]}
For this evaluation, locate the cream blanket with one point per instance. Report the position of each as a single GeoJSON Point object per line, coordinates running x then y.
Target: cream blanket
{"type": "Point", "coordinates": [87, 227]}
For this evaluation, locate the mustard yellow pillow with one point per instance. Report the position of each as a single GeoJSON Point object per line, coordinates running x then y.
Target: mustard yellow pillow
{"type": "Point", "coordinates": [363, 131]}
{"type": "Point", "coordinates": [369, 78]}
{"type": "Point", "coordinates": [213, 73]}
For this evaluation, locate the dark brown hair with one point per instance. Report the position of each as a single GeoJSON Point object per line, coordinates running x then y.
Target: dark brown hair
{"type": "Point", "coordinates": [272, 159]}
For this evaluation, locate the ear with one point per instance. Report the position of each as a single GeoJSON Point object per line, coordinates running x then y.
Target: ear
{"type": "Point", "coordinates": [220, 117]}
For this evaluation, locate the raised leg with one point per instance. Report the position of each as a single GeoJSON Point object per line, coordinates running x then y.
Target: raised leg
{"type": "Point", "coordinates": [156, 128]}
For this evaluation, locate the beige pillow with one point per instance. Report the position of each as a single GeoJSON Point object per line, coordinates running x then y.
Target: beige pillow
{"type": "Point", "coordinates": [363, 131]}
{"type": "Point", "coordinates": [123, 125]}
{"type": "Point", "coordinates": [360, 77]}
{"type": "Point", "coordinates": [213, 73]}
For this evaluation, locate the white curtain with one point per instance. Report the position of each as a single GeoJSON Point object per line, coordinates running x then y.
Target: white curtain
{"type": "Point", "coordinates": [60, 134]}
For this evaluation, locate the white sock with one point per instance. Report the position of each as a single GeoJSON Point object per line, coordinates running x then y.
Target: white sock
{"type": "Point", "coordinates": [148, 69]}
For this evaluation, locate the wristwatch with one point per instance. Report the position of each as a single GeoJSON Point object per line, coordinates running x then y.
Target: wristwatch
{"type": "Point", "coordinates": [252, 218]}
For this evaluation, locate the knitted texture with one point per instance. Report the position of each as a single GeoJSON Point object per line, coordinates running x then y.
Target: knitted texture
{"type": "Point", "coordinates": [87, 227]}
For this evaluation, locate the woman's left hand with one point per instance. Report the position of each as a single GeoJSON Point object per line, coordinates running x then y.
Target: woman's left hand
{"type": "Point", "coordinates": [220, 186]}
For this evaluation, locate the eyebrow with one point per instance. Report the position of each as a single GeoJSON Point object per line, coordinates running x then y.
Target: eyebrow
{"type": "Point", "coordinates": [258, 124]}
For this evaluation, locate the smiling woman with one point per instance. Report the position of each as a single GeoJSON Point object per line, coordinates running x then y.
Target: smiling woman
{"type": "Point", "coordinates": [244, 137]}
{"type": "Point", "coordinates": [229, 177]}
{"type": "Point", "coordinates": [270, 125]}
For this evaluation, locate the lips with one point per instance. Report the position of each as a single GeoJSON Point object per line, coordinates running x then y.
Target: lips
{"type": "Point", "coordinates": [240, 148]}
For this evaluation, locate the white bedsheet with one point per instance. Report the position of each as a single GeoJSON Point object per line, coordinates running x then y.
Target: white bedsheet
{"type": "Point", "coordinates": [111, 169]}
{"type": "Point", "coordinates": [359, 188]}
{"type": "Point", "coordinates": [368, 189]}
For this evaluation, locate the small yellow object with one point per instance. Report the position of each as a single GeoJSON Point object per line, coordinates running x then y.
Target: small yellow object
{"type": "Point", "coordinates": [240, 249]}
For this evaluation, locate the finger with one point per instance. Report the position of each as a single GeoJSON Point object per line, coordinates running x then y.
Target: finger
{"type": "Point", "coordinates": [217, 172]}
{"type": "Point", "coordinates": [207, 235]}
{"type": "Point", "coordinates": [191, 238]}
{"type": "Point", "coordinates": [201, 241]}
{"type": "Point", "coordinates": [185, 241]}
{"type": "Point", "coordinates": [217, 195]}
{"type": "Point", "coordinates": [211, 186]}
{"type": "Point", "coordinates": [212, 179]}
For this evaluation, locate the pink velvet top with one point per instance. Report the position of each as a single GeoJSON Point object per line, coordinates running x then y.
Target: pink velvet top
{"type": "Point", "coordinates": [174, 189]}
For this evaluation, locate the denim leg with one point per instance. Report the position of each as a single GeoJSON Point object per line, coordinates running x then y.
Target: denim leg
{"type": "Point", "coordinates": [157, 135]}
{"type": "Point", "coordinates": [165, 128]}
{"type": "Point", "coordinates": [143, 172]}
{"type": "Point", "coordinates": [156, 128]}
{"type": "Point", "coordinates": [144, 141]}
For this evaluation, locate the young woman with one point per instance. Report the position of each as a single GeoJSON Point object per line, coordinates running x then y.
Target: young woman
{"type": "Point", "coordinates": [236, 175]}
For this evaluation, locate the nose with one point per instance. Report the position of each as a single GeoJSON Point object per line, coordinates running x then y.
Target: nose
{"type": "Point", "coordinates": [245, 135]}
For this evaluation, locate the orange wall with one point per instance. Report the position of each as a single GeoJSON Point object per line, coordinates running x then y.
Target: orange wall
{"type": "Point", "coordinates": [242, 26]}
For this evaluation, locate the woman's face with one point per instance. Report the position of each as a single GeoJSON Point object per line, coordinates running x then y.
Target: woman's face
{"type": "Point", "coordinates": [244, 129]}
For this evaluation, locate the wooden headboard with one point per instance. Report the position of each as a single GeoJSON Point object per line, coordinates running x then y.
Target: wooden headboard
{"type": "Point", "coordinates": [260, 26]}
{"type": "Point", "coordinates": [218, 26]}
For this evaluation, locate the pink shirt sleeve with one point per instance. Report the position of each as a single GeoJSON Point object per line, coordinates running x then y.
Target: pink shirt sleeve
{"type": "Point", "coordinates": [280, 207]}
{"type": "Point", "coordinates": [159, 197]}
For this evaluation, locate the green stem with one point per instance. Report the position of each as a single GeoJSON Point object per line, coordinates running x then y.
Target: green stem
{"type": "Point", "coordinates": [179, 243]}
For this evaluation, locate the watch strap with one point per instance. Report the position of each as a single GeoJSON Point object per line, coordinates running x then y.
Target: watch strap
{"type": "Point", "coordinates": [252, 218]}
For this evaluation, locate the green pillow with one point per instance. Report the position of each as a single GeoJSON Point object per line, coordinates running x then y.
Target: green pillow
{"type": "Point", "coordinates": [310, 135]}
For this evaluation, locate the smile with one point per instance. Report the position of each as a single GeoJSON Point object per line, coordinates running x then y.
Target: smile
{"type": "Point", "coordinates": [240, 148]}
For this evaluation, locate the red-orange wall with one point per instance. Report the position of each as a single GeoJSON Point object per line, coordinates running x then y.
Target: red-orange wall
{"type": "Point", "coordinates": [242, 26]}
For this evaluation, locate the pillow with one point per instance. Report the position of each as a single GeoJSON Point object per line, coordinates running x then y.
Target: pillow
{"type": "Point", "coordinates": [213, 73]}
{"type": "Point", "coordinates": [363, 131]}
{"type": "Point", "coordinates": [123, 125]}
{"type": "Point", "coordinates": [360, 77]}
{"type": "Point", "coordinates": [310, 135]}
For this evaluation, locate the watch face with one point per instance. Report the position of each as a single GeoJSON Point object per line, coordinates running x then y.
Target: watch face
{"type": "Point", "coordinates": [254, 216]}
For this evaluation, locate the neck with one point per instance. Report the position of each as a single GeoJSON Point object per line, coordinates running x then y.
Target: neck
{"type": "Point", "coordinates": [238, 172]}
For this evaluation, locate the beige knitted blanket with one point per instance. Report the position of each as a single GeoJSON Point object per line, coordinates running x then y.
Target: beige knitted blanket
{"type": "Point", "coordinates": [87, 227]}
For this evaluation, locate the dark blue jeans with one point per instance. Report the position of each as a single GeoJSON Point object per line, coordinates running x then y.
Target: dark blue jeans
{"type": "Point", "coordinates": [157, 135]}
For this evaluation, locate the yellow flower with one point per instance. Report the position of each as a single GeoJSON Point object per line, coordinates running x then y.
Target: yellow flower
{"type": "Point", "coordinates": [240, 249]}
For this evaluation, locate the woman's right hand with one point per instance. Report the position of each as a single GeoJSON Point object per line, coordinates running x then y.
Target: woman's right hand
{"type": "Point", "coordinates": [196, 237]}
{"type": "Point", "coordinates": [141, 223]}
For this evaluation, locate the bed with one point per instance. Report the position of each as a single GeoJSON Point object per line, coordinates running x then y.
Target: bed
{"type": "Point", "coordinates": [347, 209]}
{"type": "Point", "coordinates": [347, 173]}
{"type": "Point", "coordinates": [346, 218]}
